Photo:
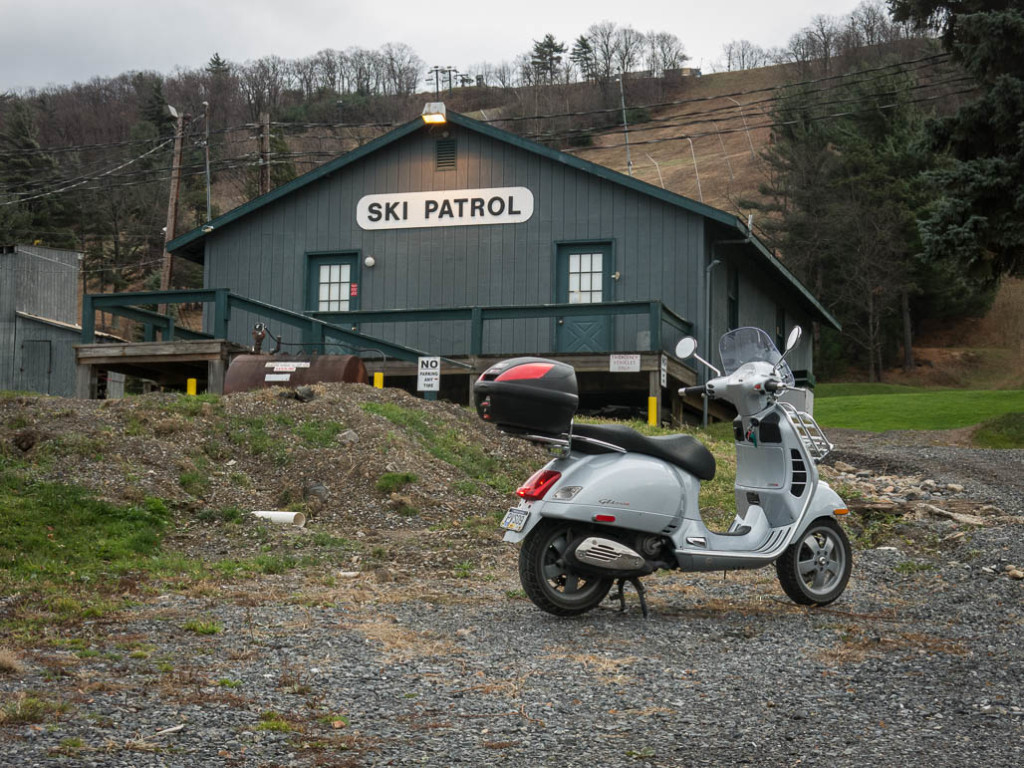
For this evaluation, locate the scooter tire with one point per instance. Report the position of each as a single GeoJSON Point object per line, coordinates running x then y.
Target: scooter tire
{"type": "Point", "coordinates": [547, 581]}
{"type": "Point", "coordinates": [815, 569]}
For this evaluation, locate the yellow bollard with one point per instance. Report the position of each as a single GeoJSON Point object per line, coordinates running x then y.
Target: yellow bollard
{"type": "Point", "coordinates": [652, 411]}
{"type": "Point", "coordinates": [190, 386]}
{"type": "Point", "coordinates": [378, 380]}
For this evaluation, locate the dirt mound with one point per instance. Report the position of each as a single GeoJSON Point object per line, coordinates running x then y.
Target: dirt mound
{"type": "Point", "coordinates": [353, 459]}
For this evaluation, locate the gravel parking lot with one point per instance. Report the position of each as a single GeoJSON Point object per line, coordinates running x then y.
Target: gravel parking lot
{"type": "Point", "coordinates": [449, 664]}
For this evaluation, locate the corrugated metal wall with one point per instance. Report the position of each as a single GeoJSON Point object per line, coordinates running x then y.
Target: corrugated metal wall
{"type": "Point", "coordinates": [48, 283]}
{"type": "Point", "coordinates": [658, 248]}
{"type": "Point", "coordinates": [37, 356]}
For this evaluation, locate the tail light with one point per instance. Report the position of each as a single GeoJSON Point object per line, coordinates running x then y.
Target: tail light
{"type": "Point", "coordinates": [540, 482]}
{"type": "Point", "coordinates": [528, 371]}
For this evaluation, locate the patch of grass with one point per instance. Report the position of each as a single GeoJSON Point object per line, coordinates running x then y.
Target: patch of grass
{"type": "Point", "coordinates": [30, 708]}
{"type": "Point", "coordinates": [10, 663]}
{"type": "Point", "coordinates": [203, 626]}
{"type": "Point", "coordinates": [463, 570]}
{"type": "Point", "coordinates": [1006, 431]}
{"type": "Point", "coordinates": [449, 445]}
{"type": "Point", "coordinates": [226, 515]}
{"type": "Point", "coordinates": [251, 433]}
{"type": "Point", "coordinates": [227, 682]}
{"type": "Point", "coordinates": [76, 445]}
{"type": "Point", "coordinates": [60, 532]}
{"type": "Point", "coordinates": [271, 721]}
{"type": "Point", "coordinates": [917, 409]}
{"type": "Point", "coordinates": [194, 482]}
{"type": "Point", "coordinates": [191, 406]}
{"type": "Point", "coordinates": [466, 487]}
{"type": "Point", "coordinates": [318, 434]}
{"type": "Point", "coordinates": [390, 482]}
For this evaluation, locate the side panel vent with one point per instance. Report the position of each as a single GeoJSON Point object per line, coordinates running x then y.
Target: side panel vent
{"type": "Point", "coordinates": [799, 474]}
{"type": "Point", "coordinates": [445, 154]}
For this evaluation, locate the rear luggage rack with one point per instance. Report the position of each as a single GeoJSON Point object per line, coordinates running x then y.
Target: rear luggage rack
{"type": "Point", "coordinates": [814, 440]}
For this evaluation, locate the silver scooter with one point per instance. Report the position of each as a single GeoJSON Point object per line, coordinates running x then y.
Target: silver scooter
{"type": "Point", "coordinates": [615, 505]}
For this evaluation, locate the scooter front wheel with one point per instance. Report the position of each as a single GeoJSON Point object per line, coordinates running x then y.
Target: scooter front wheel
{"type": "Point", "coordinates": [546, 578]}
{"type": "Point", "coordinates": [814, 570]}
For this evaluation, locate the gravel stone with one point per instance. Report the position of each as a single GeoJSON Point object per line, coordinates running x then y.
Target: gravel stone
{"type": "Point", "coordinates": [432, 656]}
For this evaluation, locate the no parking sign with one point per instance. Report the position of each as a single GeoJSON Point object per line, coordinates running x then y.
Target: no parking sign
{"type": "Point", "coordinates": [428, 374]}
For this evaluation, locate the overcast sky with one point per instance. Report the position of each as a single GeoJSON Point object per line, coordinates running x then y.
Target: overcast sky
{"type": "Point", "coordinates": [63, 41]}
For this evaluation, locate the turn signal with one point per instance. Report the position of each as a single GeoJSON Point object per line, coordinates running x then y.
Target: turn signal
{"type": "Point", "coordinates": [540, 482]}
{"type": "Point", "coordinates": [841, 511]}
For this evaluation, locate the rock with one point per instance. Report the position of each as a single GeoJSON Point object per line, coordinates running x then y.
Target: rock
{"type": "Point", "coordinates": [842, 466]}
{"type": "Point", "coordinates": [954, 488]}
{"type": "Point", "coordinates": [348, 437]}
{"type": "Point", "coordinates": [304, 394]}
{"type": "Point", "coordinates": [1016, 574]}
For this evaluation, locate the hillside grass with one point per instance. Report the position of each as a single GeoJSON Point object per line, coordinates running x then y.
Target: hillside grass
{"type": "Point", "coordinates": [882, 407]}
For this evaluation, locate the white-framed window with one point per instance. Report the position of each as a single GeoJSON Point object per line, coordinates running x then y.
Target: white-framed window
{"type": "Point", "coordinates": [586, 274]}
{"type": "Point", "coordinates": [334, 288]}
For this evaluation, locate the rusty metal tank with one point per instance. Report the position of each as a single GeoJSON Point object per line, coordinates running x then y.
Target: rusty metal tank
{"type": "Point", "coordinates": [248, 372]}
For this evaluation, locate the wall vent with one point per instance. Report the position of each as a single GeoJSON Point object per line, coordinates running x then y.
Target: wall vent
{"type": "Point", "coordinates": [445, 153]}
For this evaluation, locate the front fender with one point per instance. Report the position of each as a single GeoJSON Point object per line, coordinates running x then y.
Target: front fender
{"type": "Point", "coordinates": [825, 503]}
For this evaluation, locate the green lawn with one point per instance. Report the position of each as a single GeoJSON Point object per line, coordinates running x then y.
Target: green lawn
{"type": "Point", "coordinates": [877, 408]}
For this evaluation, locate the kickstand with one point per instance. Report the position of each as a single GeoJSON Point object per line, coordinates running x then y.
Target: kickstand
{"type": "Point", "coordinates": [641, 592]}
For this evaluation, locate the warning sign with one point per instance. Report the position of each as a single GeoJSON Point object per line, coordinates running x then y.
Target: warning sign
{"type": "Point", "coordinates": [428, 374]}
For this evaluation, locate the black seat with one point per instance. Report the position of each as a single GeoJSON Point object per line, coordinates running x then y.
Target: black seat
{"type": "Point", "coordinates": [685, 451]}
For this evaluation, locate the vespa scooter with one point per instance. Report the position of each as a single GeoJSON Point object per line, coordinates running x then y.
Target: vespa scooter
{"type": "Point", "coordinates": [615, 505]}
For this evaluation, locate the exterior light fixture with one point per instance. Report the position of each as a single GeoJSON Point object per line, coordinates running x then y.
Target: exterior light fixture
{"type": "Point", "coordinates": [369, 261]}
{"type": "Point", "coordinates": [434, 113]}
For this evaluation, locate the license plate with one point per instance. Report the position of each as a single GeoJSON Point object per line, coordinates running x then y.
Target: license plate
{"type": "Point", "coordinates": [515, 519]}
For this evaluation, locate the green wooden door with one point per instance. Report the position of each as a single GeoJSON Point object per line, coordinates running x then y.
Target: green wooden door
{"type": "Point", "coordinates": [584, 277]}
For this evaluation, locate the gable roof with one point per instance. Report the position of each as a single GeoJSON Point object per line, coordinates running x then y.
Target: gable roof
{"type": "Point", "coordinates": [191, 243]}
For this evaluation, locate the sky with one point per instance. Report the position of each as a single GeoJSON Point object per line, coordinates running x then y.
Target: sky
{"type": "Point", "coordinates": [59, 42]}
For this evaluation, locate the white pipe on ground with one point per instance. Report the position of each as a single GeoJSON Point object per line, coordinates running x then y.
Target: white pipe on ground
{"type": "Point", "coordinates": [282, 518]}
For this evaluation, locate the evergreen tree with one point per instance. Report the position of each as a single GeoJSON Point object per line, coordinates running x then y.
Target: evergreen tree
{"type": "Point", "coordinates": [582, 56]}
{"type": "Point", "coordinates": [216, 66]}
{"type": "Point", "coordinates": [846, 195]}
{"type": "Point", "coordinates": [545, 58]}
{"type": "Point", "coordinates": [978, 224]}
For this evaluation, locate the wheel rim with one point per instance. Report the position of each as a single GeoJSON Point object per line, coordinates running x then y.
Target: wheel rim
{"type": "Point", "coordinates": [561, 583]}
{"type": "Point", "coordinates": [822, 561]}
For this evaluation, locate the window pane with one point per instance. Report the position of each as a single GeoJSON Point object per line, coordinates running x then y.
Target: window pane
{"type": "Point", "coordinates": [574, 283]}
{"type": "Point", "coordinates": [324, 294]}
{"type": "Point", "coordinates": [584, 262]}
{"type": "Point", "coordinates": [325, 273]}
{"type": "Point", "coordinates": [585, 282]}
{"type": "Point", "coordinates": [595, 263]}
{"type": "Point", "coordinates": [343, 306]}
{"type": "Point", "coordinates": [574, 262]}
{"type": "Point", "coordinates": [595, 297]}
{"type": "Point", "coordinates": [345, 273]}
{"type": "Point", "coordinates": [574, 298]}
{"type": "Point", "coordinates": [335, 291]}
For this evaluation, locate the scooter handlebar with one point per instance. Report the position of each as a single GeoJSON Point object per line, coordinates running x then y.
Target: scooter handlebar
{"type": "Point", "coordinates": [773, 385]}
{"type": "Point", "coordinates": [689, 391]}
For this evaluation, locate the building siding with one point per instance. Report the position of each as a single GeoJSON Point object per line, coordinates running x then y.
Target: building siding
{"type": "Point", "coordinates": [657, 247]}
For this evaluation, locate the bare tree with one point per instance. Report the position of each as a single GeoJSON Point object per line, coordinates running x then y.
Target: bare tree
{"type": "Point", "coordinates": [664, 51]}
{"type": "Point", "coordinates": [402, 68]}
{"type": "Point", "coordinates": [743, 54]}
{"type": "Point", "coordinates": [630, 48]}
{"type": "Point", "coordinates": [262, 83]}
{"type": "Point", "coordinates": [604, 40]}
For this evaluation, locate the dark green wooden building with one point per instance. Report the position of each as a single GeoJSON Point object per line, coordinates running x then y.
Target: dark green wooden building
{"type": "Point", "coordinates": [462, 240]}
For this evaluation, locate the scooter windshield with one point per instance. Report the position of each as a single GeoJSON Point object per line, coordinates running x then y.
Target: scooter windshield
{"type": "Point", "coordinates": [748, 345]}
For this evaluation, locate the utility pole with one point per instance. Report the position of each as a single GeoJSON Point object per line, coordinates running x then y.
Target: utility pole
{"type": "Point", "coordinates": [625, 126]}
{"type": "Point", "coordinates": [206, 150]}
{"type": "Point", "coordinates": [172, 202]}
{"type": "Point", "coordinates": [450, 70]}
{"type": "Point", "coordinates": [264, 153]}
{"type": "Point", "coordinates": [436, 72]}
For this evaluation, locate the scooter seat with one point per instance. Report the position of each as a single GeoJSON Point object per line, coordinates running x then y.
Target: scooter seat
{"type": "Point", "coordinates": [684, 451]}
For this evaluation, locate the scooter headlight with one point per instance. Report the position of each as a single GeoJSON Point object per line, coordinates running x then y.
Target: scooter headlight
{"type": "Point", "coordinates": [567, 493]}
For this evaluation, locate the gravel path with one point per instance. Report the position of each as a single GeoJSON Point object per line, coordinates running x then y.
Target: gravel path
{"type": "Point", "coordinates": [919, 662]}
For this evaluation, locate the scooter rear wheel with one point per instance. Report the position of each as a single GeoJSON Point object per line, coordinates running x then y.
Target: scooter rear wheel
{"type": "Point", "coordinates": [814, 570]}
{"type": "Point", "coordinates": [546, 578]}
